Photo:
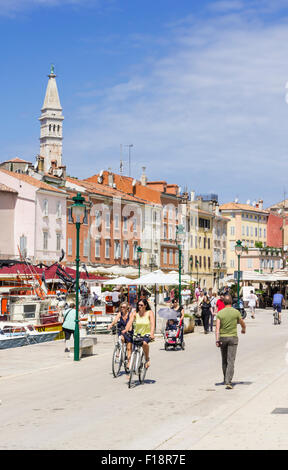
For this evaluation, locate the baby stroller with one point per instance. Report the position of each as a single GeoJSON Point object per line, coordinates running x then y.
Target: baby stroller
{"type": "Point", "coordinates": [173, 335]}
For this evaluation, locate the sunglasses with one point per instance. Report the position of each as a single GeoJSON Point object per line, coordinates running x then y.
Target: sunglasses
{"type": "Point", "coordinates": [141, 305]}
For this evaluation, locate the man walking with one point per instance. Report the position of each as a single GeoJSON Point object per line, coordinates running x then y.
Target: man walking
{"type": "Point", "coordinates": [226, 337]}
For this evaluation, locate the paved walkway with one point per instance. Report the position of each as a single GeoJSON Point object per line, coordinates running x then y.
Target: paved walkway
{"type": "Point", "coordinates": [51, 402]}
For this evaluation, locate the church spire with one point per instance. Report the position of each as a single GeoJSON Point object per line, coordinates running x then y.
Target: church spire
{"type": "Point", "coordinates": [51, 124]}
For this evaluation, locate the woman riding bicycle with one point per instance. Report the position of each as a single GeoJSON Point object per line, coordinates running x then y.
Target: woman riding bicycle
{"type": "Point", "coordinates": [144, 326]}
{"type": "Point", "coordinates": [122, 318]}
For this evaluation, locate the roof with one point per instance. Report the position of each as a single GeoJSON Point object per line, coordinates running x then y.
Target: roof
{"type": "Point", "coordinates": [33, 181]}
{"type": "Point", "coordinates": [125, 184]}
{"type": "Point", "coordinates": [103, 190]}
{"type": "Point", "coordinates": [16, 160]}
{"type": "Point", "coordinates": [241, 207]}
{"type": "Point", "coordinates": [6, 189]}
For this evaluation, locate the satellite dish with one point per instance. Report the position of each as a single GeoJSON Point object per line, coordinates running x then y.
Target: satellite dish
{"type": "Point", "coordinates": [248, 201]}
{"type": "Point", "coordinates": [100, 179]}
{"type": "Point", "coordinates": [101, 173]}
{"type": "Point", "coordinates": [254, 203]}
{"type": "Point", "coordinates": [236, 199]}
{"type": "Point", "coordinates": [36, 166]}
{"type": "Point", "coordinates": [134, 183]}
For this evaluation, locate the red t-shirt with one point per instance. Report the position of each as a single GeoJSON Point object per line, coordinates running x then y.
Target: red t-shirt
{"type": "Point", "coordinates": [220, 304]}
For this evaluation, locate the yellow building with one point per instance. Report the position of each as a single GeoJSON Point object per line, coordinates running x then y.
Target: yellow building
{"type": "Point", "coordinates": [247, 223]}
{"type": "Point", "coordinates": [201, 246]}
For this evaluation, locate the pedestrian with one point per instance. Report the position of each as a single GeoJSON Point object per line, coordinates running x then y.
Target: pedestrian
{"type": "Point", "coordinates": [68, 325]}
{"type": "Point", "coordinates": [115, 300]}
{"type": "Point", "coordinates": [213, 300]}
{"type": "Point", "coordinates": [227, 339]}
{"type": "Point", "coordinates": [220, 303]}
{"type": "Point", "coordinates": [186, 295]}
{"type": "Point", "coordinates": [206, 312]}
{"type": "Point", "coordinates": [252, 303]}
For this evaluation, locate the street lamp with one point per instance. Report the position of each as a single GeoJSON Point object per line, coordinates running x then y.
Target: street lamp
{"type": "Point", "coordinates": [78, 212]}
{"type": "Point", "coordinates": [238, 251]}
{"type": "Point", "coordinates": [139, 256]}
{"type": "Point", "coordinates": [218, 277]}
{"type": "Point", "coordinates": [180, 234]}
{"type": "Point", "coordinates": [191, 262]}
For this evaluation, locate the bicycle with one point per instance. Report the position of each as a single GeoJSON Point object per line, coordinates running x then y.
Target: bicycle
{"type": "Point", "coordinates": [119, 356]}
{"type": "Point", "coordinates": [276, 315]}
{"type": "Point", "coordinates": [137, 363]}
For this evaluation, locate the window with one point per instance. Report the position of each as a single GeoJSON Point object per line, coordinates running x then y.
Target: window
{"type": "Point", "coordinates": [209, 262]}
{"type": "Point", "coordinates": [125, 223]}
{"type": "Point", "coordinates": [135, 244]}
{"type": "Point", "coordinates": [208, 243]}
{"type": "Point", "coordinates": [200, 242]}
{"type": "Point", "coordinates": [165, 256]}
{"type": "Point", "coordinates": [260, 232]}
{"type": "Point", "coordinates": [117, 249]}
{"type": "Point", "coordinates": [134, 222]}
{"type": "Point", "coordinates": [204, 261]}
{"type": "Point", "coordinates": [165, 232]}
{"type": "Point", "coordinates": [243, 230]}
{"type": "Point", "coordinates": [170, 256]}
{"type": "Point", "coordinates": [232, 263]}
{"type": "Point", "coordinates": [45, 240]}
{"type": "Point", "coordinates": [126, 250]}
{"type": "Point", "coordinates": [59, 210]}
{"type": "Point", "coordinates": [107, 248]}
{"type": "Point", "coordinates": [170, 232]}
{"type": "Point", "coordinates": [195, 241]}
{"type": "Point", "coordinates": [116, 221]}
{"type": "Point", "coordinates": [69, 246]}
{"type": "Point", "coordinates": [204, 223]}
{"type": "Point", "coordinates": [255, 231]}
{"type": "Point", "coordinates": [70, 218]}
{"type": "Point", "coordinates": [45, 208]}
{"type": "Point", "coordinates": [200, 261]}
{"type": "Point", "coordinates": [247, 231]}
{"type": "Point", "coordinates": [264, 230]}
{"type": "Point", "coordinates": [97, 248]}
{"type": "Point", "coordinates": [58, 241]}
{"type": "Point", "coordinates": [86, 247]}
{"type": "Point", "coordinates": [107, 220]}
{"type": "Point", "coordinates": [204, 243]}
{"type": "Point", "coordinates": [232, 230]}
{"type": "Point", "coordinates": [23, 245]}
{"type": "Point", "coordinates": [249, 263]}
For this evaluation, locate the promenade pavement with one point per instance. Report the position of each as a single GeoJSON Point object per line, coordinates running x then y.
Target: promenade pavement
{"type": "Point", "coordinates": [49, 401]}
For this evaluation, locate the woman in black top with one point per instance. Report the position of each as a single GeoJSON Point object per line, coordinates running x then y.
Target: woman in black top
{"type": "Point", "coordinates": [206, 311]}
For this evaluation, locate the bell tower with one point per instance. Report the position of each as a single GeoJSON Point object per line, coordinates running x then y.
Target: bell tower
{"type": "Point", "coordinates": [51, 121]}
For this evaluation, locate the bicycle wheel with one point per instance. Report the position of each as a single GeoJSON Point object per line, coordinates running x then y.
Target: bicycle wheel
{"type": "Point", "coordinates": [142, 369]}
{"type": "Point", "coordinates": [116, 360]}
{"type": "Point", "coordinates": [132, 367]}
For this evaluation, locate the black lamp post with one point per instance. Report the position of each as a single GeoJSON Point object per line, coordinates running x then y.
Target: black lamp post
{"type": "Point", "coordinates": [238, 251]}
{"type": "Point", "coordinates": [78, 213]}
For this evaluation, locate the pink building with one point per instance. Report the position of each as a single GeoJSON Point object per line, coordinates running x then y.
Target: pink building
{"type": "Point", "coordinates": [33, 215]}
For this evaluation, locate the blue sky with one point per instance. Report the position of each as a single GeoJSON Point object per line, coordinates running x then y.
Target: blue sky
{"type": "Point", "coordinates": [198, 88]}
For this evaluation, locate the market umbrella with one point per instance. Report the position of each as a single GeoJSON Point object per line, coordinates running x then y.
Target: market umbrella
{"type": "Point", "coordinates": [119, 281]}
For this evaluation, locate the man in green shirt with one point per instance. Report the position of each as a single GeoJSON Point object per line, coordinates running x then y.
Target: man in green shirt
{"type": "Point", "coordinates": [226, 337]}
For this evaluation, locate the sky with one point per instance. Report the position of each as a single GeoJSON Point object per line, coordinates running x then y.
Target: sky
{"type": "Point", "coordinates": [198, 89]}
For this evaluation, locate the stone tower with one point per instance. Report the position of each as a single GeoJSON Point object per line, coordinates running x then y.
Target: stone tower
{"type": "Point", "coordinates": [51, 120]}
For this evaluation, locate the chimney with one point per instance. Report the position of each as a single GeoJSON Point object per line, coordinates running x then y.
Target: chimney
{"type": "Point", "coordinates": [260, 203]}
{"type": "Point", "coordinates": [40, 161]}
{"type": "Point", "coordinates": [217, 212]}
{"type": "Point", "coordinates": [143, 176]}
{"type": "Point", "coordinates": [192, 196]}
{"type": "Point", "coordinates": [110, 178]}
